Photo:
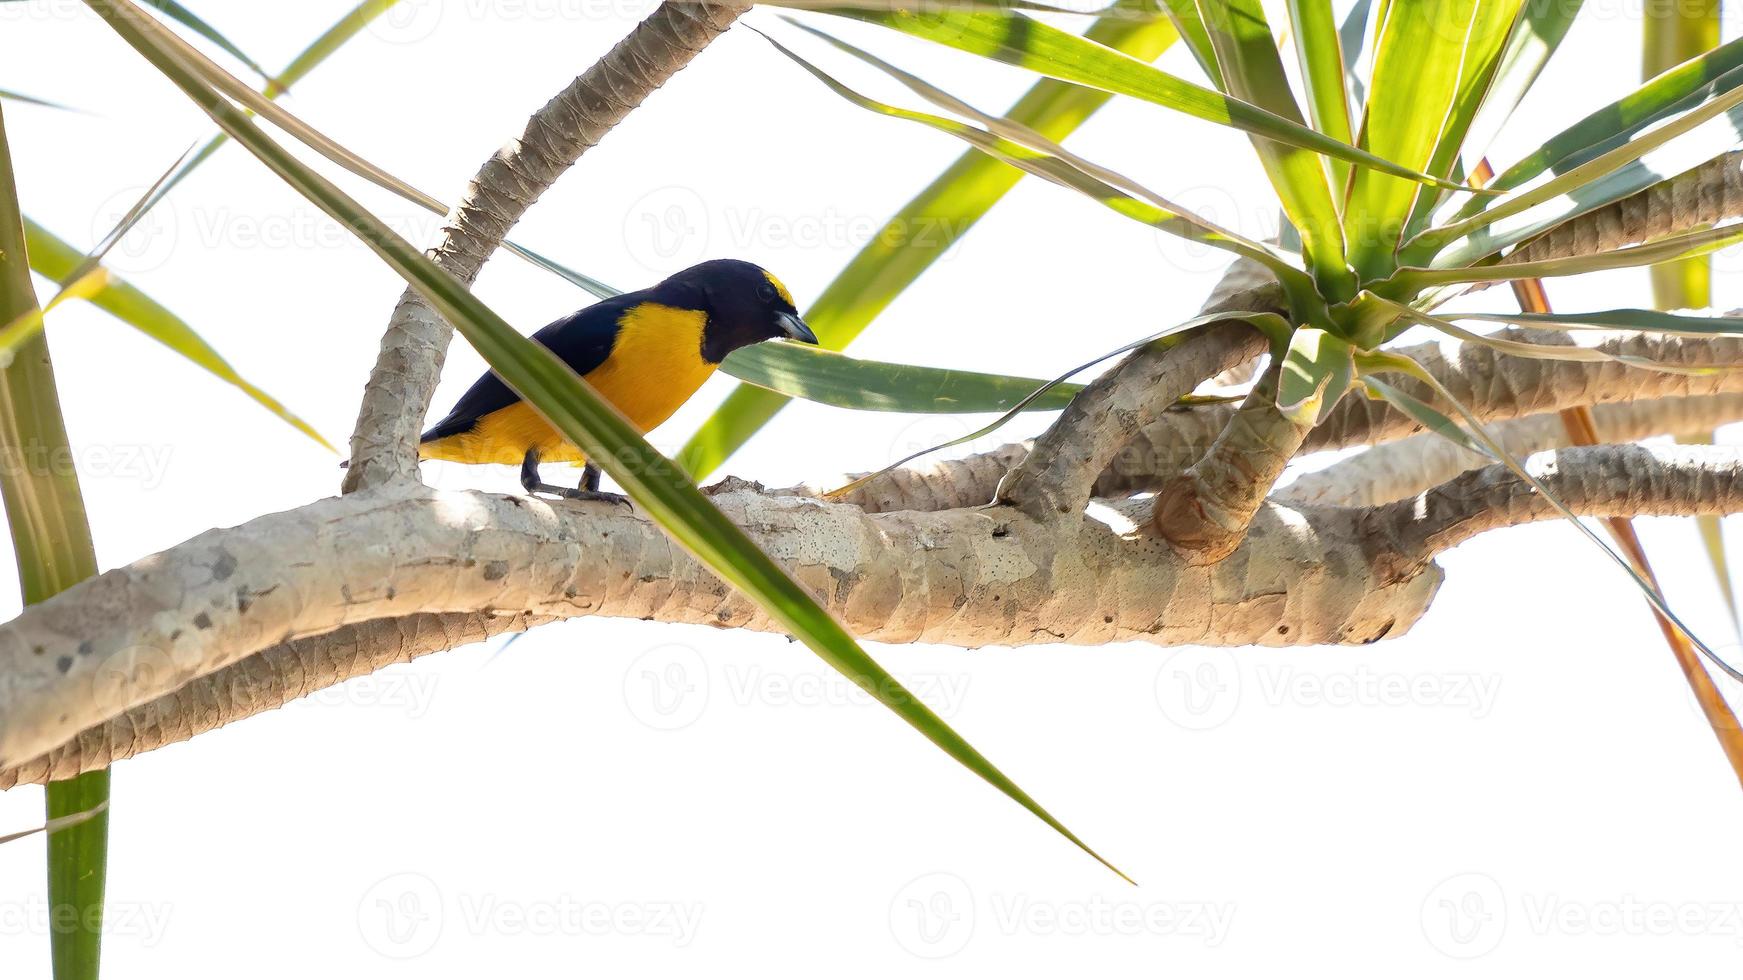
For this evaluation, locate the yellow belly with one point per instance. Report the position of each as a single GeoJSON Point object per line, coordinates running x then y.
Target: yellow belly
{"type": "Point", "coordinates": [655, 366]}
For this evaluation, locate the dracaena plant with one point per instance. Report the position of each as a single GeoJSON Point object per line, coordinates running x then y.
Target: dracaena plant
{"type": "Point", "coordinates": [1390, 206]}
{"type": "Point", "coordinates": [1371, 124]}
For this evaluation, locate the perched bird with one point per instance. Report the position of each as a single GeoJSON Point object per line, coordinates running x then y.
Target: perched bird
{"type": "Point", "coordinates": [644, 352]}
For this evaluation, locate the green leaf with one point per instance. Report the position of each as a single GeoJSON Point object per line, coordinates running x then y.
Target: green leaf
{"type": "Point", "coordinates": [584, 419]}
{"type": "Point", "coordinates": [1027, 43]}
{"type": "Point", "coordinates": [1021, 147]}
{"type": "Point", "coordinates": [1376, 362]}
{"type": "Point", "coordinates": [1542, 352]}
{"type": "Point", "coordinates": [1536, 35]}
{"type": "Point", "coordinates": [1190, 26]}
{"type": "Point", "coordinates": [918, 234]}
{"type": "Point", "coordinates": [815, 374]}
{"type": "Point", "coordinates": [1623, 118]}
{"type": "Point", "coordinates": [1252, 71]}
{"type": "Point", "coordinates": [1654, 321]}
{"type": "Point", "coordinates": [23, 99]}
{"type": "Point", "coordinates": [1489, 33]}
{"type": "Point", "coordinates": [188, 19]}
{"type": "Point", "coordinates": [1425, 415]}
{"type": "Point", "coordinates": [1324, 76]}
{"type": "Point", "coordinates": [51, 542]}
{"type": "Point", "coordinates": [1415, 77]}
{"type": "Point", "coordinates": [1352, 40]}
{"type": "Point", "coordinates": [262, 103]}
{"type": "Point", "coordinates": [53, 258]}
{"type": "Point", "coordinates": [1694, 243]}
{"type": "Point", "coordinates": [1274, 327]}
{"type": "Point", "coordinates": [1317, 369]}
{"type": "Point", "coordinates": [1672, 145]}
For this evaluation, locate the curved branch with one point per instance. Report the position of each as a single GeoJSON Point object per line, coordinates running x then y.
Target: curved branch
{"type": "Point", "coordinates": [1395, 470]}
{"type": "Point", "coordinates": [1205, 511]}
{"type": "Point", "coordinates": [269, 679]}
{"type": "Point", "coordinates": [962, 577]}
{"type": "Point", "coordinates": [1707, 194]}
{"type": "Point", "coordinates": [1055, 478]}
{"type": "Point", "coordinates": [1593, 481]}
{"type": "Point", "coordinates": [384, 442]}
{"type": "Point", "coordinates": [1495, 387]}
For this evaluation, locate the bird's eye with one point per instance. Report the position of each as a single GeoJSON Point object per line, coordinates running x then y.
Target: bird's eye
{"type": "Point", "coordinates": [766, 293]}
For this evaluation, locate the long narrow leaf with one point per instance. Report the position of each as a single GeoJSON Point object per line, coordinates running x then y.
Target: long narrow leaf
{"type": "Point", "coordinates": [1187, 21]}
{"type": "Point", "coordinates": [1654, 321]}
{"type": "Point", "coordinates": [55, 259]}
{"type": "Point", "coordinates": [1010, 142]}
{"type": "Point", "coordinates": [1535, 37]}
{"type": "Point", "coordinates": [583, 418]}
{"type": "Point", "coordinates": [1324, 77]}
{"type": "Point", "coordinates": [1274, 327]}
{"type": "Point", "coordinates": [1416, 75]}
{"type": "Point", "coordinates": [1381, 362]}
{"type": "Point", "coordinates": [1703, 127]}
{"type": "Point", "coordinates": [1543, 352]}
{"type": "Point", "coordinates": [1489, 32]}
{"type": "Point", "coordinates": [1625, 117]}
{"type": "Point", "coordinates": [1253, 71]}
{"type": "Point", "coordinates": [919, 233]}
{"type": "Point", "coordinates": [23, 99]}
{"type": "Point", "coordinates": [1027, 43]}
{"type": "Point", "coordinates": [1667, 249]}
{"type": "Point", "coordinates": [819, 375]}
{"type": "Point", "coordinates": [1063, 168]}
{"type": "Point", "coordinates": [51, 542]}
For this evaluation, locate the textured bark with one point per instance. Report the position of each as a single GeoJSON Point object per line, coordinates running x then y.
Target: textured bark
{"type": "Point", "coordinates": [384, 443]}
{"type": "Point", "coordinates": [1495, 387]}
{"type": "Point", "coordinates": [1056, 477]}
{"type": "Point", "coordinates": [1707, 194]}
{"type": "Point", "coordinates": [1205, 511]}
{"type": "Point", "coordinates": [1594, 481]}
{"type": "Point", "coordinates": [966, 578]}
{"type": "Point", "coordinates": [1395, 470]}
{"type": "Point", "coordinates": [237, 621]}
{"type": "Point", "coordinates": [269, 679]}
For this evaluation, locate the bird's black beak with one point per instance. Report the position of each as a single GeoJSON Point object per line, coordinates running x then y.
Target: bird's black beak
{"type": "Point", "coordinates": [795, 328]}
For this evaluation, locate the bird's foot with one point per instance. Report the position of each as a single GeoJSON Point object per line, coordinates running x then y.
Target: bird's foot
{"type": "Point", "coordinates": [597, 496]}
{"type": "Point", "coordinates": [580, 493]}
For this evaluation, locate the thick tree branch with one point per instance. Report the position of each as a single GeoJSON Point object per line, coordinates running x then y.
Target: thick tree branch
{"type": "Point", "coordinates": [962, 577]}
{"type": "Point", "coordinates": [269, 679]}
{"type": "Point", "coordinates": [383, 445]}
{"type": "Point", "coordinates": [1593, 481]}
{"type": "Point", "coordinates": [1495, 387]}
{"type": "Point", "coordinates": [1205, 511]}
{"type": "Point", "coordinates": [1055, 478]}
{"type": "Point", "coordinates": [1707, 194]}
{"type": "Point", "coordinates": [1395, 470]}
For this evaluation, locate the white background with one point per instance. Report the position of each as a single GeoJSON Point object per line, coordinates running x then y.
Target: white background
{"type": "Point", "coordinates": [1520, 782]}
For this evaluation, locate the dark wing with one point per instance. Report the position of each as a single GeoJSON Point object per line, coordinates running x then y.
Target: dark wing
{"type": "Point", "coordinates": [582, 340]}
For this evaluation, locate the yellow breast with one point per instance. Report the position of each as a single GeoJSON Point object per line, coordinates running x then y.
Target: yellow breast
{"type": "Point", "coordinates": [655, 366]}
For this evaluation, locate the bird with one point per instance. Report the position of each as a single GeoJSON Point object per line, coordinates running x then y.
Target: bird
{"type": "Point", "coordinates": [645, 352]}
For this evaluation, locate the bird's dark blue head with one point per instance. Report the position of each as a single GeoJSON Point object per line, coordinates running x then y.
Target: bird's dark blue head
{"type": "Point", "coordinates": [745, 305]}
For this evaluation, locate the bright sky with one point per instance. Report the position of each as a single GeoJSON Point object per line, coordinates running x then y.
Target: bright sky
{"type": "Point", "coordinates": [1522, 778]}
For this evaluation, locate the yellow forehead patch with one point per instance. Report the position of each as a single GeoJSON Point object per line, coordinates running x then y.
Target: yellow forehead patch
{"type": "Point", "coordinates": [788, 297]}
